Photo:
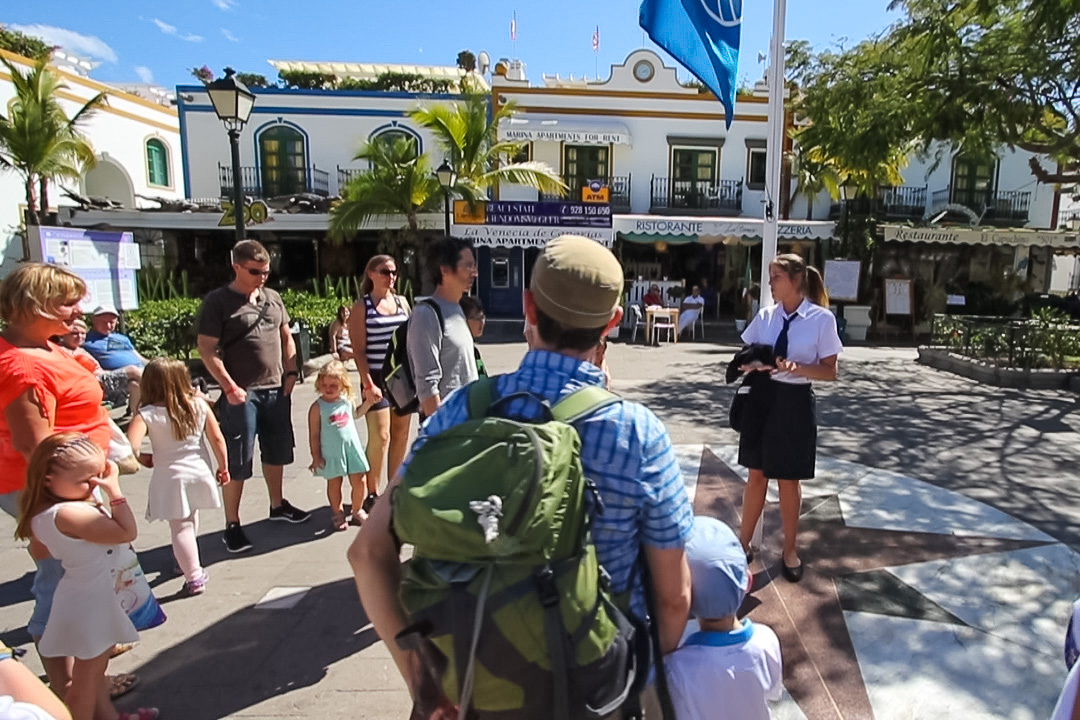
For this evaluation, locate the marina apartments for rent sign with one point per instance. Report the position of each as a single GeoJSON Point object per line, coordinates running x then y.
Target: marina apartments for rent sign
{"type": "Point", "coordinates": [530, 224]}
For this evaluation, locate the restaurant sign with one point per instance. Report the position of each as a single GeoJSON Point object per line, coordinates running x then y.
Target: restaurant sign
{"type": "Point", "coordinates": [975, 236]}
{"type": "Point", "coordinates": [526, 237]}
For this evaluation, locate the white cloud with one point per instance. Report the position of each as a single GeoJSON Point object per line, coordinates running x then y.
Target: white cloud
{"type": "Point", "coordinates": [171, 30]}
{"type": "Point", "coordinates": [145, 74]}
{"type": "Point", "coordinates": [229, 36]}
{"type": "Point", "coordinates": [87, 45]}
{"type": "Point", "coordinates": [224, 4]}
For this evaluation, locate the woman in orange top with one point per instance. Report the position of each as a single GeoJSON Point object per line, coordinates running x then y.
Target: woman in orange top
{"type": "Point", "coordinates": [43, 391]}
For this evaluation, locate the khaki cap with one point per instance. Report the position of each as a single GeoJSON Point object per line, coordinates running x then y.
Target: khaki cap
{"type": "Point", "coordinates": [577, 282]}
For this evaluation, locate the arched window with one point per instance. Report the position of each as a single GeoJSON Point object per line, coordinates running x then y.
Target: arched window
{"type": "Point", "coordinates": [392, 132]}
{"type": "Point", "coordinates": [157, 163]}
{"type": "Point", "coordinates": [283, 161]}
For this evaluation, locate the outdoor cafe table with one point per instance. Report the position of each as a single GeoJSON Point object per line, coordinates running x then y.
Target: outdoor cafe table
{"type": "Point", "coordinates": [655, 311]}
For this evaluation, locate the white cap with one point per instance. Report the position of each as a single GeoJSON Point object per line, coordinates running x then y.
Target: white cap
{"type": "Point", "coordinates": [105, 310]}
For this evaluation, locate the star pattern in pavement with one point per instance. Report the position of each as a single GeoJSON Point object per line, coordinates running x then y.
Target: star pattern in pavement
{"type": "Point", "coordinates": [844, 571]}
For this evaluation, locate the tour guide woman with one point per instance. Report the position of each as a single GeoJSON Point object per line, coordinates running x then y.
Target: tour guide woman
{"type": "Point", "coordinates": [803, 335]}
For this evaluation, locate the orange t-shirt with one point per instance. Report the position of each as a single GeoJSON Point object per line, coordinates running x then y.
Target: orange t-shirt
{"type": "Point", "coordinates": [69, 395]}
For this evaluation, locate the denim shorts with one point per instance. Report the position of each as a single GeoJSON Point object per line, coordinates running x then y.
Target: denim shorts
{"type": "Point", "coordinates": [47, 577]}
{"type": "Point", "coordinates": [266, 413]}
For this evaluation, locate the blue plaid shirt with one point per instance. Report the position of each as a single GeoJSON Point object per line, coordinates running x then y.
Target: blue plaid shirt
{"type": "Point", "coordinates": [625, 450]}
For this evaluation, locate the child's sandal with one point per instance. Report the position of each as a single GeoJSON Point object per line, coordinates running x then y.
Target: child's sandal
{"type": "Point", "coordinates": [338, 521]}
{"type": "Point", "coordinates": [140, 714]}
{"type": "Point", "coordinates": [358, 518]}
{"type": "Point", "coordinates": [122, 684]}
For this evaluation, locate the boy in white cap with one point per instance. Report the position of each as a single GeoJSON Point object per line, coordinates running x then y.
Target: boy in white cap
{"type": "Point", "coordinates": [730, 668]}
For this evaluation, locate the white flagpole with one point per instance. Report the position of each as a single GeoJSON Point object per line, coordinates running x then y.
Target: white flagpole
{"type": "Point", "coordinates": [775, 148]}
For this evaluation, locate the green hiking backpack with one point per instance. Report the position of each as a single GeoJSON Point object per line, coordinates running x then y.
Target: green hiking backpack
{"type": "Point", "coordinates": [511, 612]}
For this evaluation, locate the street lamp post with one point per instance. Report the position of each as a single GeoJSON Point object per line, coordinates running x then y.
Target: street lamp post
{"type": "Point", "coordinates": [233, 103]}
{"type": "Point", "coordinates": [447, 179]}
{"type": "Point", "coordinates": [848, 191]}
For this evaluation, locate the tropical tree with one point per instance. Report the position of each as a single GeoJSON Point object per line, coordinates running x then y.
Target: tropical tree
{"type": "Point", "coordinates": [38, 140]}
{"type": "Point", "coordinates": [399, 183]}
{"type": "Point", "coordinates": [812, 173]}
{"type": "Point", "coordinates": [468, 135]}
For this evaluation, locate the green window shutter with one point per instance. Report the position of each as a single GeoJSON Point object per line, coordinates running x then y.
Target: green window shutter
{"type": "Point", "coordinates": [157, 163]}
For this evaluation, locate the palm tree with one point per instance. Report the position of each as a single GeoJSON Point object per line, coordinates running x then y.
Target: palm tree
{"type": "Point", "coordinates": [399, 182]}
{"type": "Point", "coordinates": [37, 138]}
{"type": "Point", "coordinates": [813, 173]}
{"type": "Point", "coordinates": [469, 136]}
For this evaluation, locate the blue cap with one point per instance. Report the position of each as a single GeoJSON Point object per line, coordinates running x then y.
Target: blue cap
{"type": "Point", "coordinates": [718, 569]}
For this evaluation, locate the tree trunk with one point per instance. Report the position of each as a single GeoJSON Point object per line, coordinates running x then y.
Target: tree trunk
{"type": "Point", "coordinates": [809, 207]}
{"type": "Point", "coordinates": [31, 216]}
{"type": "Point", "coordinates": [43, 198]}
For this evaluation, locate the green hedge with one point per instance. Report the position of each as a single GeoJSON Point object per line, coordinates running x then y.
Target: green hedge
{"type": "Point", "coordinates": [167, 327]}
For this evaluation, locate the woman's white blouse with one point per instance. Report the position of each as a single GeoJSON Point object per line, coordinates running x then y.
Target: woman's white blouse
{"type": "Point", "coordinates": [811, 336]}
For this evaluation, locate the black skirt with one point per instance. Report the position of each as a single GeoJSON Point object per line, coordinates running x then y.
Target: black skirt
{"type": "Point", "coordinates": [786, 447]}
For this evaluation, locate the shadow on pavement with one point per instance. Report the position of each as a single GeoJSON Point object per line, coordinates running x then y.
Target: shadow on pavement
{"type": "Point", "coordinates": [253, 655]}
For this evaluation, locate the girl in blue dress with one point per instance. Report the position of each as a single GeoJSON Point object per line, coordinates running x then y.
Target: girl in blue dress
{"type": "Point", "coordinates": [336, 450]}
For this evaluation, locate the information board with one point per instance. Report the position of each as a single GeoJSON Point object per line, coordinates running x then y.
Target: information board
{"type": "Point", "coordinates": [523, 213]}
{"type": "Point", "coordinates": [842, 279]}
{"type": "Point", "coordinates": [898, 300]}
{"type": "Point", "coordinates": [106, 261]}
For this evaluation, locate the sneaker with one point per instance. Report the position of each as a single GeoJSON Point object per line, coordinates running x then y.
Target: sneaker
{"type": "Point", "coordinates": [195, 587]}
{"type": "Point", "coordinates": [288, 513]}
{"type": "Point", "coordinates": [235, 540]}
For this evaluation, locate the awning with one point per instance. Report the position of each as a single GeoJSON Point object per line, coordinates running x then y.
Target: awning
{"type": "Point", "coordinates": [579, 130]}
{"type": "Point", "coordinates": [1021, 237]}
{"type": "Point", "coordinates": [709, 231]}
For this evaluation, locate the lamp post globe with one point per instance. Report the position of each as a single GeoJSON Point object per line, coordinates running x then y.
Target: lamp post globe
{"type": "Point", "coordinates": [233, 103]}
{"type": "Point", "coordinates": [447, 179]}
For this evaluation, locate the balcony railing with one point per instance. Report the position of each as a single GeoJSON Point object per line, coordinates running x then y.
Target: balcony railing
{"type": "Point", "coordinates": [694, 195]}
{"type": "Point", "coordinates": [345, 176]}
{"type": "Point", "coordinates": [902, 201]}
{"type": "Point", "coordinates": [995, 206]}
{"type": "Point", "coordinates": [618, 190]}
{"type": "Point", "coordinates": [268, 182]}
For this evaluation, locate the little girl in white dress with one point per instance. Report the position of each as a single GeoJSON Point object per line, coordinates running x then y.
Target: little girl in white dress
{"type": "Point", "coordinates": [58, 508]}
{"type": "Point", "coordinates": [182, 482]}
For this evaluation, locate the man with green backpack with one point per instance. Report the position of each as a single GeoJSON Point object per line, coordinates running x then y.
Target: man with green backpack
{"type": "Point", "coordinates": [544, 514]}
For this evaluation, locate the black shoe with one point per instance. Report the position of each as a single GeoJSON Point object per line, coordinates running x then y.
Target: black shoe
{"type": "Point", "coordinates": [369, 501]}
{"type": "Point", "coordinates": [288, 513]}
{"type": "Point", "coordinates": [793, 574]}
{"type": "Point", "coordinates": [234, 538]}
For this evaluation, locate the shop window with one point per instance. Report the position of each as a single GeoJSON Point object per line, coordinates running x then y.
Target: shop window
{"type": "Point", "coordinates": [500, 272]}
{"type": "Point", "coordinates": [755, 168]}
{"type": "Point", "coordinates": [157, 163]}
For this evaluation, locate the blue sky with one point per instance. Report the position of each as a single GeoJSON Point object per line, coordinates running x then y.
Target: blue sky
{"type": "Point", "coordinates": [159, 41]}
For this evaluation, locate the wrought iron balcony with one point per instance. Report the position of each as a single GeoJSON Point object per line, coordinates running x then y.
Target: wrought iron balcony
{"type": "Point", "coordinates": [268, 182]}
{"type": "Point", "coordinates": [999, 207]}
{"type": "Point", "coordinates": [902, 201]}
{"type": "Point", "coordinates": [696, 196]}
{"type": "Point", "coordinates": [345, 176]}
{"type": "Point", "coordinates": [618, 188]}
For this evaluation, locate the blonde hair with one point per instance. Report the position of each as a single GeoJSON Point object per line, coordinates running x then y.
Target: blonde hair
{"type": "Point", "coordinates": [373, 265]}
{"type": "Point", "coordinates": [36, 290]}
{"type": "Point", "coordinates": [56, 452]}
{"type": "Point", "coordinates": [335, 370]}
{"type": "Point", "coordinates": [807, 278]}
{"type": "Point", "coordinates": [167, 383]}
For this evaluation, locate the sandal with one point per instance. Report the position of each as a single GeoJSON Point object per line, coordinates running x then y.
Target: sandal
{"type": "Point", "coordinates": [337, 521]}
{"type": "Point", "coordinates": [121, 648]}
{"type": "Point", "coordinates": [357, 519]}
{"type": "Point", "coordinates": [122, 684]}
{"type": "Point", "coordinates": [140, 714]}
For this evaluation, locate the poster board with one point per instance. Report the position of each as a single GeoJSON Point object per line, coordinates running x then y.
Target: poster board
{"type": "Point", "coordinates": [898, 296]}
{"type": "Point", "coordinates": [842, 279]}
{"type": "Point", "coordinates": [106, 261]}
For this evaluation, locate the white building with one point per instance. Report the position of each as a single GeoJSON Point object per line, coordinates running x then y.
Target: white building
{"type": "Point", "coordinates": [136, 142]}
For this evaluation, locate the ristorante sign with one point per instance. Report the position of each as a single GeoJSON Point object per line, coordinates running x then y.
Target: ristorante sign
{"type": "Point", "coordinates": [719, 228]}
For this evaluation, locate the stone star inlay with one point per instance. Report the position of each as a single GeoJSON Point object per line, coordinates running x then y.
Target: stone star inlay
{"type": "Point", "coordinates": [821, 671]}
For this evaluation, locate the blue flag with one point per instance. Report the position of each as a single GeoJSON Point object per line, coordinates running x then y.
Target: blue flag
{"type": "Point", "coordinates": [704, 36]}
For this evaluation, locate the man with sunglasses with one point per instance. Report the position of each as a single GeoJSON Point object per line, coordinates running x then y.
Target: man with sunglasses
{"type": "Point", "coordinates": [245, 343]}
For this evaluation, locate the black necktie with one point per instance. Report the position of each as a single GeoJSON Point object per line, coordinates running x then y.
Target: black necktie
{"type": "Point", "coordinates": [780, 348]}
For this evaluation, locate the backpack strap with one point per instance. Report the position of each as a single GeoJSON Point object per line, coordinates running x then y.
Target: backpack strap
{"type": "Point", "coordinates": [438, 313]}
{"type": "Point", "coordinates": [583, 402]}
{"type": "Point", "coordinates": [481, 395]}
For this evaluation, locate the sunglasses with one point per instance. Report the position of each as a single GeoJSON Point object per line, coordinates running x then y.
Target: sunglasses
{"type": "Point", "coordinates": [388, 272]}
{"type": "Point", "coordinates": [258, 273]}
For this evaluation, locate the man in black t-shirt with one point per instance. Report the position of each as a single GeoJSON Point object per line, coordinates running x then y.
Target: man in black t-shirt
{"type": "Point", "coordinates": [245, 343]}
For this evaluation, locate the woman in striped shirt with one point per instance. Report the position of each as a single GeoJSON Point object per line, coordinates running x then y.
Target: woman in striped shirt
{"type": "Point", "coordinates": [373, 320]}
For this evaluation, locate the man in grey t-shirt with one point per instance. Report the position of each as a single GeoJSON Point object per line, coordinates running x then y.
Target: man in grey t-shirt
{"type": "Point", "coordinates": [442, 358]}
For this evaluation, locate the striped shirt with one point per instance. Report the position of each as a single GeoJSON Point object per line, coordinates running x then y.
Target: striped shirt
{"type": "Point", "coordinates": [379, 330]}
{"type": "Point", "coordinates": [625, 450]}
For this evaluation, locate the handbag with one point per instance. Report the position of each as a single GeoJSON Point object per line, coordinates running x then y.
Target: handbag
{"type": "Point", "coordinates": [133, 591]}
